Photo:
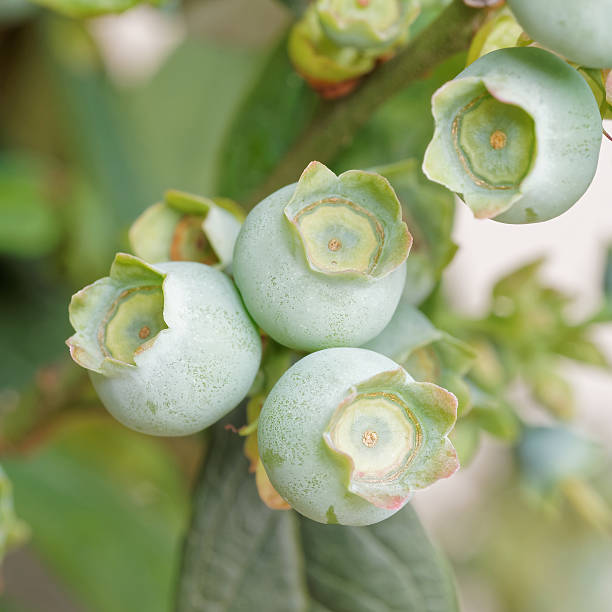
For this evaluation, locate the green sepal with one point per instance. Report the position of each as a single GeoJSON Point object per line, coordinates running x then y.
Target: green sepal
{"type": "Point", "coordinates": [90, 306]}
{"type": "Point", "coordinates": [441, 163]}
{"type": "Point", "coordinates": [376, 27]}
{"type": "Point", "coordinates": [370, 192]}
{"type": "Point", "coordinates": [431, 413]}
{"type": "Point", "coordinates": [152, 235]}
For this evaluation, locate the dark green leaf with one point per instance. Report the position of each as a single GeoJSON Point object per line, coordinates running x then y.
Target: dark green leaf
{"type": "Point", "coordinates": [269, 120]}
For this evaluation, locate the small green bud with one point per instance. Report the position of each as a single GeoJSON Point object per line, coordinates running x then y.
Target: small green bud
{"type": "Point", "coordinates": [370, 25]}
{"type": "Point", "coordinates": [517, 136]}
{"type": "Point", "coordinates": [579, 31]}
{"type": "Point", "coordinates": [169, 348]}
{"type": "Point", "coordinates": [186, 227]}
{"type": "Point", "coordinates": [321, 263]}
{"type": "Point", "coordinates": [346, 436]}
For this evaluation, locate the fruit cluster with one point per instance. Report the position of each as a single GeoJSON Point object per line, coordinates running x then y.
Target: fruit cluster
{"type": "Point", "coordinates": [172, 338]}
{"type": "Point", "coordinates": [346, 434]}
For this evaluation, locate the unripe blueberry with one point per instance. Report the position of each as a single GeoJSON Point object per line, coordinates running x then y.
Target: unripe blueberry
{"type": "Point", "coordinates": [579, 31]}
{"type": "Point", "coordinates": [321, 263]}
{"type": "Point", "coordinates": [370, 25]}
{"type": "Point", "coordinates": [186, 227]}
{"type": "Point", "coordinates": [169, 348]}
{"type": "Point", "coordinates": [329, 68]}
{"type": "Point", "coordinates": [517, 136]}
{"type": "Point", "coordinates": [346, 435]}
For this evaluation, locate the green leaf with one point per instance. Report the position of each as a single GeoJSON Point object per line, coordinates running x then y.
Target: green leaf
{"type": "Point", "coordinates": [240, 555]}
{"type": "Point", "coordinates": [29, 226]}
{"type": "Point", "coordinates": [107, 508]}
{"type": "Point", "coordinates": [181, 117]}
{"type": "Point", "coordinates": [269, 120]}
{"type": "Point", "coordinates": [90, 8]}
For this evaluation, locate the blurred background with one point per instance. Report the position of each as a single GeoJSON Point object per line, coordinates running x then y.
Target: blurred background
{"type": "Point", "coordinates": [97, 120]}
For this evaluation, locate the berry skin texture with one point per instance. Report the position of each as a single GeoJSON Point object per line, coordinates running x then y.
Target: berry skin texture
{"type": "Point", "coordinates": [321, 263]}
{"type": "Point", "coordinates": [170, 348]}
{"type": "Point", "coordinates": [517, 136]}
{"type": "Point", "coordinates": [346, 435]}
{"type": "Point", "coordinates": [579, 31]}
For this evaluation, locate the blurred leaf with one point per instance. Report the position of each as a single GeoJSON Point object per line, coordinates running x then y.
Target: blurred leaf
{"type": "Point", "coordinates": [33, 321]}
{"type": "Point", "coordinates": [107, 508]}
{"type": "Point", "coordinates": [179, 120]}
{"type": "Point", "coordinates": [90, 8]}
{"type": "Point", "coordinates": [493, 415]}
{"type": "Point", "coordinates": [466, 440]}
{"type": "Point", "coordinates": [574, 346]}
{"type": "Point", "coordinates": [240, 554]}
{"type": "Point", "coordinates": [297, 6]}
{"type": "Point", "coordinates": [29, 227]}
{"type": "Point", "coordinates": [269, 120]}
{"type": "Point", "coordinates": [12, 531]}
{"type": "Point", "coordinates": [12, 11]}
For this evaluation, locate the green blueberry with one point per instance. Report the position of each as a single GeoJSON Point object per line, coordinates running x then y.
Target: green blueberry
{"type": "Point", "coordinates": [170, 348]}
{"type": "Point", "coordinates": [549, 457]}
{"type": "Point", "coordinates": [578, 30]}
{"type": "Point", "coordinates": [366, 24]}
{"type": "Point", "coordinates": [517, 136]}
{"type": "Point", "coordinates": [321, 263]}
{"type": "Point", "coordinates": [186, 227]}
{"type": "Point", "coordinates": [346, 436]}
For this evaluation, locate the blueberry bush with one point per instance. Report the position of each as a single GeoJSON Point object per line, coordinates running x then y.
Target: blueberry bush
{"type": "Point", "coordinates": [268, 368]}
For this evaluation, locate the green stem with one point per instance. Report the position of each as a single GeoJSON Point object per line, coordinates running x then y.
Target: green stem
{"type": "Point", "coordinates": [336, 122]}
